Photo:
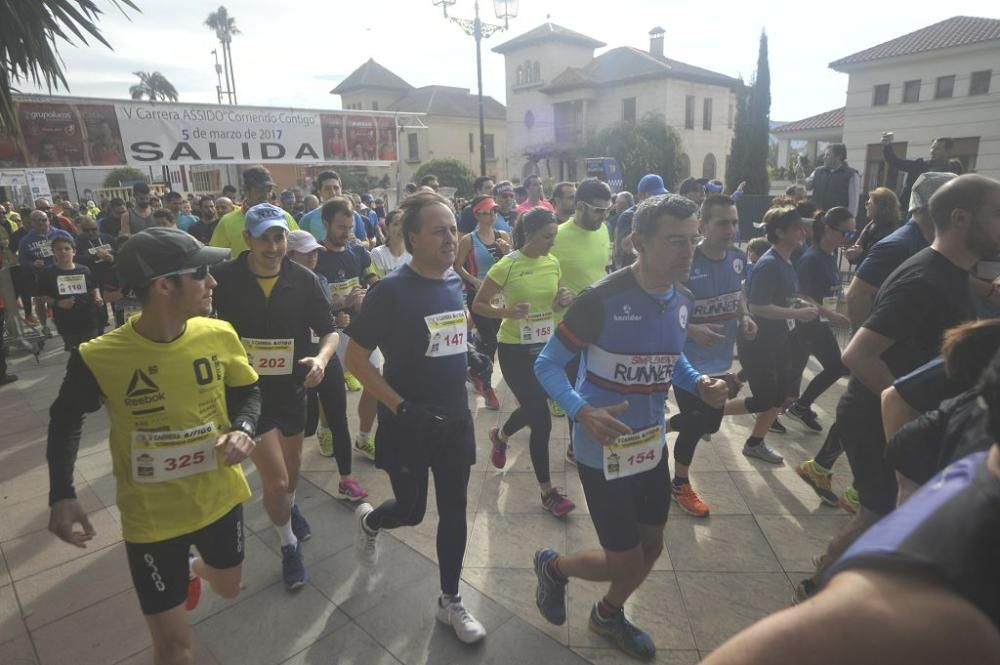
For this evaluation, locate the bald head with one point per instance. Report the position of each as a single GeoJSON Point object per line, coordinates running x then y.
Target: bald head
{"type": "Point", "coordinates": [38, 218]}
{"type": "Point", "coordinates": [965, 194]}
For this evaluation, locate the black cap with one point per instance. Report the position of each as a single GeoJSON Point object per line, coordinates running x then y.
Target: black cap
{"type": "Point", "coordinates": [158, 251]}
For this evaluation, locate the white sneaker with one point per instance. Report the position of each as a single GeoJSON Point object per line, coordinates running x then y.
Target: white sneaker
{"type": "Point", "coordinates": [365, 543]}
{"type": "Point", "coordinates": [455, 615]}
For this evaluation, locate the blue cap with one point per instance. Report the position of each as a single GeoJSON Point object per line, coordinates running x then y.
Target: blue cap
{"type": "Point", "coordinates": [652, 184]}
{"type": "Point", "coordinates": [264, 216]}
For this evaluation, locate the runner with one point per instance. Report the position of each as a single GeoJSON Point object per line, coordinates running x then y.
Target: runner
{"type": "Point", "coordinates": [582, 253]}
{"type": "Point", "coordinates": [417, 317]}
{"type": "Point", "coordinates": [347, 268]}
{"type": "Point", "coordinates": [393, 254]}
{"type": "Point", "coordinates": [327, 403]}
{"type": "Point", "coordinates": [257, 187]}
{"type": "Point", "coordinates": [327, 187]}
{"type": "Point", "coordinates": [771, 293]}
{"type": "Point", "coordinates": [140, 217]}
{"type": "Point", "coordinates": [72, 292]}
{"type": "Point", "coordinates": [478, 252]}
{"type": "Point", "coordinates": [535, 192]}
{"type": "Point", "coordinates": [273, 303]}
{"type": "Point", "coordinates": [629, 330]}
{"type": "Point", "coordinates": [528, 279]}
{"type": "Point", "coordinates": [719, 315]}
{"type": "Point", "coordinates": [34, 254]}
{"type": "Point", "coordinates": [183, 405]}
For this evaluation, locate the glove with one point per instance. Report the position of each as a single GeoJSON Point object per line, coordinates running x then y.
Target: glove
{"type": "Point", "coordinates": [420, 419]}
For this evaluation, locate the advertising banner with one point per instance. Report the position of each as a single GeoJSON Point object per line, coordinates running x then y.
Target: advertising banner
{"type": "Point", "coordinates": [61, 133]}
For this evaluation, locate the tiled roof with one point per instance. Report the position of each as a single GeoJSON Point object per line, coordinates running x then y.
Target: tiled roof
{"type": "Point", "coordinates": [624, 64]}
{"type": "Point", "coordinates": [829, 120]}
{"type": "Point", "coordinates": [548, 32]}
{"type": "Point", "coordinates": [371, 75]}
{"type": "Point", "coordinates": [449, 101]}
{"type": "Point", "coordinates": [952, 32]}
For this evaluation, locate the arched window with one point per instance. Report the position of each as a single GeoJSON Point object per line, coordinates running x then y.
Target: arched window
{"type": "Point", "coordinates": [708, 167]}
{"type": "Point", "coordinates": [683, 166]}
{"type": "Point", "coordinates": [520, 75]}
{"type": "Point", "coordinates": [527, 71]}
{"type": "Point", "coordinates": [536, 72]}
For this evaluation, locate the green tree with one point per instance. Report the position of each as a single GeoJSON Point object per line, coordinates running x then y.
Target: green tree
{"type": "Point", "coordinates": [759, 125]}
{"type": "Point", "coordinates": [450, 173]}
{"type": "Point", "coordinates": [224, 26]}
{"type": "Point", "coordinates": [153, 86]}
{"type": "Point", "coordinates": [123, 174]}
{"type": "Point", "coordinates": [736, 166]}
{"type": "Point", "coordinates": [649, 146]}
{"type": "Point", "coordinates": [29, 34]}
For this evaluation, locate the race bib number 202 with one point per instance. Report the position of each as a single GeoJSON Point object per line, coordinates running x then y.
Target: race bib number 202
{"type": "Point", "coordinates": [447, 334]}
{"type": "Point", "coordinates": [270, 357]}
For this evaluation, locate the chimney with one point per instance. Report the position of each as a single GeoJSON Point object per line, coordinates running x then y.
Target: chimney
{"type": "Point", "coordinates": [656, 41]}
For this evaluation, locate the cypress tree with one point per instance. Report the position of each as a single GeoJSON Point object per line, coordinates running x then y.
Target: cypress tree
{"type": "Point", "coordinates": [759, 121]}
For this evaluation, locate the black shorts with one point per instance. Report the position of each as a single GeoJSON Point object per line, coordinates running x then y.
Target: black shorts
{"type": "Point", "coordinates": [284, 408]}
{"type": "Point", "coordinates": [160, 570]}
{"type": "Point", "coordinates": [859, 423]}
{"type": "Point", "coordinates": [619, 507]}
{"type": "Point", "coordinates": [765, 365]}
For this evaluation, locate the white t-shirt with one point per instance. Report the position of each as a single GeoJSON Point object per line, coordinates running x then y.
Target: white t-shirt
{"type": "Point", "coordinates": [385, 262]}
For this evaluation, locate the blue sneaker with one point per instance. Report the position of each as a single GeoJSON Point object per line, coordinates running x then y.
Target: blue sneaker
{"type": "Point", "coordinates": [632, 640]}
{"type": "Point", "coordinates": [300, 527]}
{"type": "Point", "coordinates": [293, 570]}
{"type": "Point", "coordinates": [550, 596]}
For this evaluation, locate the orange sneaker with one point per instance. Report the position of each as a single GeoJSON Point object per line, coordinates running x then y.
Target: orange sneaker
{"type": "Point", "coordinates": [194, 593]}
{"type": "Point", "coordinates": [689, 501]}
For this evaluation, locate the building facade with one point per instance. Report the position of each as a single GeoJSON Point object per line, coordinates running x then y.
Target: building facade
{"type": "Point", "coordinates": [559, 96]}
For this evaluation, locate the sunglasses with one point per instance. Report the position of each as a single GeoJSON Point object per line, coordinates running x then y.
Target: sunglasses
{"type": "Point", "coordinates": [599, 211]}
{"type": "Point", "coordinates": [487, 213]}
{"type": "Point", "coordinates": [199, 273]}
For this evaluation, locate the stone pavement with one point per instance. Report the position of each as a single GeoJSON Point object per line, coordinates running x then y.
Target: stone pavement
{"type": "Point", "coordinates": [64, 606]}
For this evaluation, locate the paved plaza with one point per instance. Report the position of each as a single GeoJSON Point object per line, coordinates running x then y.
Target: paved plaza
{"type": "Point", "coordinates": [64, 606]}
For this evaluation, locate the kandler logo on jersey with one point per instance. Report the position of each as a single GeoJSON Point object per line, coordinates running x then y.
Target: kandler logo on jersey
{"type": "Point", "coordinates": [143, 391]}
{"type": "Point", "coordinates": [627, 314]}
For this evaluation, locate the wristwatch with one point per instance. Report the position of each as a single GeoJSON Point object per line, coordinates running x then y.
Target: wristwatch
{"type": "Point", "coordinates": [245, 427]}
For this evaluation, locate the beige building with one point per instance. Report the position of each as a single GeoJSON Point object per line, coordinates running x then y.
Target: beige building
{"type": "Point", "coordinates": [939, 81]}
{"type": "Point", "coordinates": [559, 95]}
{"type": "Point", "coordinates": [450, 127]}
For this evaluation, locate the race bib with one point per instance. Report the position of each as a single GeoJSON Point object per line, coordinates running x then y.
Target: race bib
{"type": "Point", "coordinates": [94, 250]}
{"type": "Point", "coordinates": [71, 285]}
{"type": "Point", "coordinates": [45, 249]}
{"type": "Point", "coordinates": [447, 334]}
{"type": "Point", "coordinates": [536, 328]}
{"type": "Point", "coordinates": [343, 289]}
{"type": "Point", "coordinates": [633, 453]}
{"type": "Point", "coordinates": [270, 357]}
{"type": "Point", "coordinates": [159, 457]}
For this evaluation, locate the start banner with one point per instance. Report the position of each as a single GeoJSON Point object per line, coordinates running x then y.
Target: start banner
{"type": "Point", "coordinates": [60, 133]}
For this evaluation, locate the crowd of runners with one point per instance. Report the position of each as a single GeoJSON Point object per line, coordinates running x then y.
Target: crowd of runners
{"type": "Point", "coordinates": [224, 331]}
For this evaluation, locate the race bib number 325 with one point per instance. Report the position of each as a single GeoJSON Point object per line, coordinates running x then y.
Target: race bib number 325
{"type": "Point", "coordinates": [162, 456]}
{"type": "Point", "coordinates": [447, 334]}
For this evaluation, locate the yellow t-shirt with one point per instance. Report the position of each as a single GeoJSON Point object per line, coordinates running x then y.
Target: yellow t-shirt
{"type": "Point", "coordinates": [267, 285]}
{"type": "Point", "coordinates": [582, 255]}
{"type": "Point", "coordinates": [167, 406]}
{"type": "Point", "coordinates": [229, 231]}
{"type": "Point", "coordinates": [531, 280]}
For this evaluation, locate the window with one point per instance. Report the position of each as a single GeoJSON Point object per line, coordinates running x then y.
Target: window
{"type": "Point", "coordinates": [374, 106]}
{"type": "Point", "coordinates": [706, 114]}
{"type": "Point", "coordinates": [689, 112]}
{"type": "Point", "coordinates": [411, 140]}
{"type": "Point", "coordinates": [945, 87]}
{"type": "Point", "coordinates": [536, 72]}
{"type": "Point", "coordinates": [519, 78]}
{"type": "Point", "coordinates": [488, 143]}
{"type": "Point", "coordinates": [708, 167]}
{"type": "Point", "coordinates": [881, 95]}
{"type": "Point", "coordinates": [980, 83]}
{"type": "Point", "coordinates": [683, 166]}
{"type": "Point", "coordinates": [911, 92]}
{"type": "Point", "coordinates": [628, 109]}
{"type": "Point", "coordinates": [729, 124]}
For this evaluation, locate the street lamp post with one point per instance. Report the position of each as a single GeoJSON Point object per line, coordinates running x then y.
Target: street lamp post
{"type": "Point", "coordinates": [218, 75]}
{"type": "Point", "coordinates": [505, 9]}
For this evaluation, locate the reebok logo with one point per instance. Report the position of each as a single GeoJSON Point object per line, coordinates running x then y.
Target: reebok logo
{"type": "Point", "coordinates": [142, 390]}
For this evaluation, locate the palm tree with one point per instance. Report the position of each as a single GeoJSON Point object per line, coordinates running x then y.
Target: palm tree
{"type": "Point", "coordinates": [28, 36]}
{"type": "Point", "coordinates": [224, 26]}
{"type": "Point", "coordinates": [153, 86]}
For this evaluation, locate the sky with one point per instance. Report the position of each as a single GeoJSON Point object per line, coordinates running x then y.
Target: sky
{"type": "Point", "coordinates": [292, 54]}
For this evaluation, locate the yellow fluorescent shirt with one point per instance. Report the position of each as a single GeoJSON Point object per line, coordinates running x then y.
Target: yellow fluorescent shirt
{"type": "Point", "coordinates": [582, 255]}
{"type": "Point", "coordinates": [524, 279]}
{"type": "Point", "coordinates": [229, 231]}
{"type": "Point", "coordinates": [164, 400]}
{"type": "Point", "coordinates": [267, 285]}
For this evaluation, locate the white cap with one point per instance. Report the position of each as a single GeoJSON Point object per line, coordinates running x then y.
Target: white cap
{"type": "Point", "coordinates": [925, 186]}
{"type": "Point", "coordinates": [303, 242]}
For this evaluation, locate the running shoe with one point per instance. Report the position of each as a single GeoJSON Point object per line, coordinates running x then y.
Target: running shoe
{"type": "Point", "coordinates": [452, 612]}
{"type": "Point", "coordinates": [490, 397]}
{"type": "Point", "coordinates": [498, 452]}
{"type": "Point", "coordinates": [365, 542]}
{"type": "Point", "coordinates": [31, 320]}
{"type": "Point", "coordinates": [849, 500]}
{"type": "Point", "coordinates": [194, 587]}
{"type": "Point", "coordinates": [630, 638]}
{"type": "Point", "coordinates": [777, 427]}
{"type": "Point", "coordinates": [47, 332]}
{"type": "Point", "coordinates": [804, 590]}
{"type": "Point", "coordinates": [819, 480]}
{"type": "Point", "coordinates": [325, 437]}
{"type": "Point", "coordinates": [352, 383]}
{"type": "Point", "coordinates": [293, 569]}
{"type": "Point", "coordinates": [762, 452]}
{"type": "Point", "coordinates": [570, 457]}
{"type": "Point", "coordinates": [688, 500]}
{"type": "Point", "coordinates": [550, 595]}
{"type": "Point", "coordinates": [300, 527]}
{"type": "Point", "coordinates": [804, 415]}
{"type": "Point", "coordinates": [555, 410]}
{"type": "Point", "coordinates": [365, 444]}
{"type": "Point", "coordinates": [351, 490]}
{"type": "Point", "coordinates": [557, 503]}
{"type": "Point", "coordinates": [477, 383]}
{"type": "Point", "coordinates": [706, 437]}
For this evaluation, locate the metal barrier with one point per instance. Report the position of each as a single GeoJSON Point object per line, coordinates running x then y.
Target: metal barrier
{"type": "Point", "coordinates": [18, 333]}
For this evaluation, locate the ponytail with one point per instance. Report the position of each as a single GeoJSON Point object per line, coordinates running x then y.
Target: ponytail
{"type": "Point", "coordinates": [528, 223]}
{"type": "Point", "coordinates": [831, 218]}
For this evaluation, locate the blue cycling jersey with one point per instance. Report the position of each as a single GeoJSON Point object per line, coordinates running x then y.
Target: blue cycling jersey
{"type": "Point", "coordinates": [717, 286]}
